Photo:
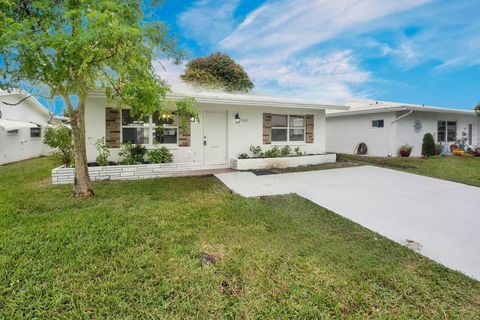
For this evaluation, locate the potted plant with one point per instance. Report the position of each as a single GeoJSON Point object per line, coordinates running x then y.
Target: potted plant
{"type": "Point", "coordinates": [476, 153]}
{"type": "Point", "coordinates": [458, 152]}
{"type": "Point", "coordinates": [406, 150]}
{"type": "Point", "coordinates": [453, 147]}
{"type": "Point", "coordinates": [438, 149]}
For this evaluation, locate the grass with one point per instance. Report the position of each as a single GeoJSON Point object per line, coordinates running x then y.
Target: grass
{"type": "Point", "coordinates": [464, 169]}
{"type": "Point", "coordinates": [133, 252]}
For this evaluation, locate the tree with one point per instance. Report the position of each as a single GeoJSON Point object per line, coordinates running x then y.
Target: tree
{"type": "Point", "coordinates": [477, 109]}
{"type": "Point", "coordinates": [218, 71]}
{"type": "Point", "coordinates": [428, 145]}
{"type": "Point", "coordinates": [75, 47]}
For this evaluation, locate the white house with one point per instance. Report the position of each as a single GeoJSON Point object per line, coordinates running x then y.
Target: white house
{"type": "Point", "coordinates": [385, 126]}
{"type": "Point", "coordinates": [229, 124]}
{"type": "Point", "coordinates": [22, 123]}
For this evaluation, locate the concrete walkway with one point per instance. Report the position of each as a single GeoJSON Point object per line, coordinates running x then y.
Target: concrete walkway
{"type": "Point", "coordinates": [438, 218]}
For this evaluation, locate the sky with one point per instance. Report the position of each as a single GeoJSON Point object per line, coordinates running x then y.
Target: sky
{"type": "Point", "coordinates": [411, 51]}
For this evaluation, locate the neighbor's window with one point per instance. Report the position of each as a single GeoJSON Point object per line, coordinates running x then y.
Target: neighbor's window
{"type": "Point", "coordinates": [165, 127]}
{"type": "Point", "coordinates": [35, 132]}
{"type": "Point", "coordinates": [378, 123]}
{"type": "Point", "coordinates": [447, 131]}
{"type": "Point", "coordinates": [135, 129]}
{"type": "Point", "coordinates": [12, 132]}
{"type": "Point", "coordinates": [288, 128]}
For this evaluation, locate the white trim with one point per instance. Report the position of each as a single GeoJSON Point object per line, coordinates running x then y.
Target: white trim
{"type": "Point", "coordinates": [396, 109]}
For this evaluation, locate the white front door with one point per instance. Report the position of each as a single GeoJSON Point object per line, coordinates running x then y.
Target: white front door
{"type": "Point", "coordinates": [214, 138]}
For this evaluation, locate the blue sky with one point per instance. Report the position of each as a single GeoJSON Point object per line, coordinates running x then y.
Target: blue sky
{"type": "Point", "coordinates": [413, 51]}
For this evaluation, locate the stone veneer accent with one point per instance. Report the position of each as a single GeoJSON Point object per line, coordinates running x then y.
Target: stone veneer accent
{"type": "Point", "coordinates": [112, 128]}
{"type": "Point", "coordinates": [62, 175]}
{"type": "Point", "coordinates": [184, 135]}
{"type": "Point", "coordinates": [309, 122]}
{"type": "Point", "coordinates": [267, 128]}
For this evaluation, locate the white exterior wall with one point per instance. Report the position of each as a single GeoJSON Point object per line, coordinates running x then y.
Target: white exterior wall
{"type": "Point", "coordinates": [344, 133]}
{"type": "Point", "coordinates": [20, 147]}
{"type": "Point", "coordinates": [405, 133]}
{"type": "Point", "coordinates": [239, 135]}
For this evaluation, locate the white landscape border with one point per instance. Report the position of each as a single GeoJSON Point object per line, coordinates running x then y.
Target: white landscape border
{"type": "Point", "coordinates": [282, 162]}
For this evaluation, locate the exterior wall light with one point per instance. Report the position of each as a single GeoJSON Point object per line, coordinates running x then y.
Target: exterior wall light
{"type": "Point", "coordinates": [237, 118]}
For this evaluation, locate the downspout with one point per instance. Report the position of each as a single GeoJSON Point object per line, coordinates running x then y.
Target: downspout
{"type": "Point", "coordinates": [390, 136]}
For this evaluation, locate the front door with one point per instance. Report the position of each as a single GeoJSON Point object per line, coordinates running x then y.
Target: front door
{"type": "Point", "coordinates": [214, 138]}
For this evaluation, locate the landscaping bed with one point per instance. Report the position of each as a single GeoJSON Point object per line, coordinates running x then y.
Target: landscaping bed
{"type": "Point", "coordinates": [281, 162]}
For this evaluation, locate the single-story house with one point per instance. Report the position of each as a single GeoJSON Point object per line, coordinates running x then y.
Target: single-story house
{"type": "Point", "coordinates": [385, 126]}
{"type": "Point", "coordinates": [22, 123]}
{"type": "Point", "coordinates": [228, 125]}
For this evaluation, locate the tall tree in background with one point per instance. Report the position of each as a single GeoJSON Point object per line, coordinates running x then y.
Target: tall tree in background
{"type": "Point", "coordinates": [217, 71]}
{"type": "Point", "coordinates": [76, 46]}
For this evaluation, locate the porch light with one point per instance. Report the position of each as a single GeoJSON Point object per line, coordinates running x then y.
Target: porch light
{"type": "Point", "coordinates": [237, 118]}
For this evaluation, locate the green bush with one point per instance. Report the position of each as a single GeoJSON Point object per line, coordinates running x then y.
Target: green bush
{"type": "Point", "coordinates": [257, 151]}
{"type": "Point", "coordinates": [428, 145]}
{"type": "Point", "coordinates": [285, 152]}
{"type": "Point", "coordinates": [103, 152]}
{"type": "Point", "coordinates": [275, 152]}
{"type": "Point", "coordinates": [162, 155]}
{"type": "Point", "coordinates": [58, 138]}
{"type": "Point", "coordinates": [132, 153]}
{"type": "Point", "coordinates": [297, 151]}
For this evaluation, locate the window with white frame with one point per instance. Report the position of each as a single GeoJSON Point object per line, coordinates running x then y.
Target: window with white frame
{"type": "Point", "coordinates": [378, 123]}
{"type": "Point", "coordinates": [165, 128]}
{"type": "Point", "coordinates": [35, 132]}
{"type": "Point", "coordinates": [287, 128]}
{"type": "Point", "coordinates": [447, 131]}
{"type": "Point", "coordinates": [159, 128]}
{"type": "Point", "coordinates": [12, 132]}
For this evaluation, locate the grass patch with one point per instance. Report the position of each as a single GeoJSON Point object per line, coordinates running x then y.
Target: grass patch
{"type": "Point", "coordinates": [459, 169]}
{"type": "Point", "coordinates": [188, 248]}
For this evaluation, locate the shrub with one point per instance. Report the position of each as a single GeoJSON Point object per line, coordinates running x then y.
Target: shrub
{"type": "Point", "coordinates": [162, 155]}
{"type": "Point", "coordinates": [406, 148]}
{"type": "Point", "coordinates": [297, 151]}
{"type": "Point", "coordinates": [428, 145]}
{"type": "Point", "coordinates": [243, 155]}
{"type": "Point", "coordinates": [58, 138]}
{"type": "Point", "coordinates": [275, 152]}
{"type": "Point", "coordinates": [286, 150]}
{"type": "Point", "coordinates": [257, 151]}
{"type": "Point", "coordinates": [103, 152]}
{"type": "Point", "coordinates": [132, 153]}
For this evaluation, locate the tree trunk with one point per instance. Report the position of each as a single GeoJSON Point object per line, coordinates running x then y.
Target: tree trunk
{"type": "Point", "coordinates": [82, 186]}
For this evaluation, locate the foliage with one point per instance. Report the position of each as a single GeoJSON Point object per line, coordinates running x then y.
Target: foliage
{"type": "Point", "coordinates": [58, 138]}
{"type": "Point", "coordinates": [103, 152]}
{"type": "Point", "coordinates": [274, 152]}
{"type": "Point", "coordinates": [286, 151]}
{"type": "Point", "coordinates": [132, 254]}
{"type": "Point", "coordinates": [162, 155]}
{"type": "Point", "coordinates": [428, 145]}
{"type": "Point", "coordinates": [219, 71]}
{"type": "Point", "coordinates": [75, 47]}
{"type": "Point", "coordinates": [256, 151]}
{"type": "Point", "coordinates": [477, 109]}
{"type": "Point", "coordinates": [132, 153]}
{"type": "Point", "coordinates": [406, 148]}
{"type": "Point", "coordinates": [243, 155]}
{"type": "Point", "coordinates": [297, 151]}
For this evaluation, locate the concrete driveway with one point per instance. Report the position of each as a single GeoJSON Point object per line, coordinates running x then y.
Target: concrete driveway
{"type": "Point", "coordinates": [438, 218]}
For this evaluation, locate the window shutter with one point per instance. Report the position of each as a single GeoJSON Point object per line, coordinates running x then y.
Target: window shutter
{"type": "Point", "coordinates": [184, 134]}
{"type": "Point", "coordinates": [267, 128]}
{"type": "Point", "coordinates": [309, 121]}
{"type": "Point", "coordinates": [112, 128]}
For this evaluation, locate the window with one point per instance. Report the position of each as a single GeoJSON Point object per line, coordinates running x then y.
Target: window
{"type": "Point", "coordinates": [12, 132]}
{"type": "Point", "coordinates": [135, 129]}
{"type": "Point", "coordinates": [35, 132]}
{"type": "Point", "coordinates": [159, 128]}
{"type": "Point", "coordinates": [288, 128]}
{"type": "Point", "coordinates": [165, 127]}
{"type": "Point", "coordinates": [378, 123]}
{"type": "Point", "coordinates": [447, 131]}
{"type": "Point", "coordinates": [470, 134]}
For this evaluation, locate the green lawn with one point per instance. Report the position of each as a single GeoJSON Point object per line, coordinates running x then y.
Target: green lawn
{"type": "Point", "coordinates": [133, 251]}
{"type": "Point", "coordinates": [464, 169]}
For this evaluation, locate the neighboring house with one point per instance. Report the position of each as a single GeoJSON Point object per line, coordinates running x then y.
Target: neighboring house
{"type": "Point", "coordinates": [22, 126]}
{"type": "Point", "coordinates": [229, 124]}
{"type": "Point", "coordinates": [385, 126]}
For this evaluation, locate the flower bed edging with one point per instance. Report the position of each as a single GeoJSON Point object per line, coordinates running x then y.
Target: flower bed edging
{"type": "Point", "coordinates": [63, 175]}
{"type": "Point", "coordinates": [282, 162]}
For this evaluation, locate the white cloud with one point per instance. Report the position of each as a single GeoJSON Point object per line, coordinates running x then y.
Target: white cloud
{"type": "Point", "coordinates": [208, 21]}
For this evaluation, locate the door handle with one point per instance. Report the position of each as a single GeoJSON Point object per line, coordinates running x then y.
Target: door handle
{"type": "Point", "coordinates": [204, 140]}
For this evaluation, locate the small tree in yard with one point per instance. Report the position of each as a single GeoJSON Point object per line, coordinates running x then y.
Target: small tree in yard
{"type": "Point", "coordinates": [75, 47]}
{"type": "Point", "coordinates": [218, 71]}
{"type": "Point", "coordinates": [428, 145]}
{"type": "Point", "coordinates": [58, 138]}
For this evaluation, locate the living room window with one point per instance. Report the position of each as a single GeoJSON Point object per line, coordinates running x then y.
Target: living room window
{"type": "Point", "coordinates": [135, 129]}
{"type": "Point", "coordinates": [287, 128]}
{"type": "Point", "coordinates": [447, 131]}
{"type": "Point", "coordinates": [161, 128]}
{"type": "Point", "coordinates": [165, 128]}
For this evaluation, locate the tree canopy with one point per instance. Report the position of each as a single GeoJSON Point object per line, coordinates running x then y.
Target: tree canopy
{"type": "Point", "coordinates": [218, 71]}
{"type": "Point", "coordinates": [74, 47]}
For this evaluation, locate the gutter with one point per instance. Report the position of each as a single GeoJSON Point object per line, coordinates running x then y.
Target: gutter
{"type": "Point", "coordinates": [390, 134]}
